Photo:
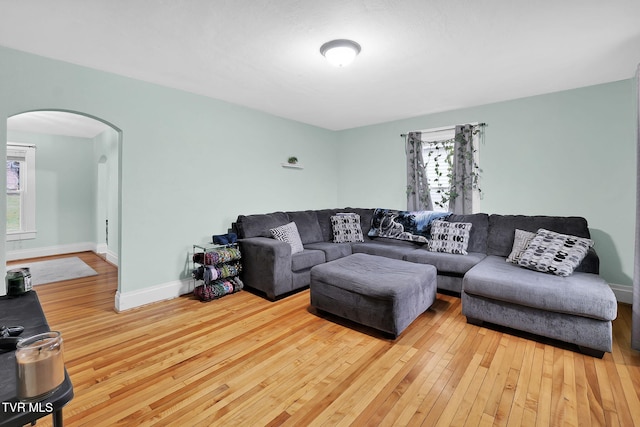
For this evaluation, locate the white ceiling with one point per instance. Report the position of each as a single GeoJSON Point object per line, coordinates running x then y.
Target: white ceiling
{"type": "Point", "coordinates": [418, 56]}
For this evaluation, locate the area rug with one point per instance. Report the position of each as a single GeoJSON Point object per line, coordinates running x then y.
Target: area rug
{"type": "Point", "coordinates": [56, 270]}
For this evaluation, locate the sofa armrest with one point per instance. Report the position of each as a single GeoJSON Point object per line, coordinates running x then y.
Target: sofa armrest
{"type": "Point", "coordinates": [266, 265]}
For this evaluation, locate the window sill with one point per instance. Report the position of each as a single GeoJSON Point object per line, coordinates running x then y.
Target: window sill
{"type": "Point", "coordinates": [23, 235]}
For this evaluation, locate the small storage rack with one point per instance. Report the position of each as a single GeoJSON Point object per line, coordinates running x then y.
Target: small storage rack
{"type": "Point", "coordinates": [216, 270]}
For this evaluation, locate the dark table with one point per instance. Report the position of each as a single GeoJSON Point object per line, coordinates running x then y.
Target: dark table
{"type": "Point", "coordinates": [26, 311]}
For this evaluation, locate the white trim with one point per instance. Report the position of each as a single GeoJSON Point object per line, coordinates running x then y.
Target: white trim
{"type": "Point", "coordinates": [110, 256]}
{"type": "Point", "coordinates": [128, 300]}
{"type": "Point", "coordinates": [50, 250]}
{"type": "Point", "coordinates": [13, 236]}
{"type": "Point", "coordinates": [26, 154]}
{"type": "Point", "coordinates": [623, 293]}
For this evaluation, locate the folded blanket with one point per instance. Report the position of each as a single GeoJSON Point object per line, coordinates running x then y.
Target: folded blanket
{"type": "Point", "coordinates": [209, 273]}
{"type": "Point", "coordinates": [414, 226]}
{"type": "Point", "coordinates": [224, 239]}
{"type": "Point", "coordinates": [217, 256]}
{"type": "Point", "coordinates": [217, 289]}
{"type": "Point", "coordinates": [221, 271]}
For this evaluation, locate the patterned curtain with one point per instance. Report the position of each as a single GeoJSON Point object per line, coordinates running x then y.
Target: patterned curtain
{"type": "Point", "coordinates": [635, 322]}
{"type": "Point", "coordinates": [462, 179]}
{"type": "Point", "coordinates": [418, 194]}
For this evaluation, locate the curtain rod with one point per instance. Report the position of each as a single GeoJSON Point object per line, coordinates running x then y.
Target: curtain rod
{"type": "Point", "coordinates": [17, 144]}
{"type": "Point", "coordinates": [446, 128]}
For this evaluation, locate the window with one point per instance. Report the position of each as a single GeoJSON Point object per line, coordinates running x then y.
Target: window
{"type": "Point", "coordinates": [438, 155]}
{"type": "Point", "coordinates": [21, 192]}
{"type": "Point", "coordinates": [437, 152]}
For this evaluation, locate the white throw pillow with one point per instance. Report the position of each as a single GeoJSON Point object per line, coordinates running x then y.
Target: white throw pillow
{"type": "Point", "coordinates": [346, 228]}
{"type": "Point", "coordinates": [555, 253]}
{"type": "Point", "coordinates": [521, 242]}
{"type": "Point", "coordinates": [288, 233]}
{"type": "Point", "coordinates": [450, 237]}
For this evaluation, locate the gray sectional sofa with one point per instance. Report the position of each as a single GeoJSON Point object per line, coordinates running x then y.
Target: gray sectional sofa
{"type": "Point", "coordinates": [577, 309]}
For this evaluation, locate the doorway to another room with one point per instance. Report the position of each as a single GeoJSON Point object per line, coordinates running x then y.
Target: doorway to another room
{"type": "Point", "coordinates": [63, 188]}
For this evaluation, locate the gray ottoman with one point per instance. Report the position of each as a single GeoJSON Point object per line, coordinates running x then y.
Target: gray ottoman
{"type": "Point", "coordinates": [385, 294]}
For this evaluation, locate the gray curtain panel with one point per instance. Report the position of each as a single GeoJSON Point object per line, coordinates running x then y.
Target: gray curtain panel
{"type": "Point", "coordinates": [635, 323]}
{"type": "Point", "coordinates": [418, 194]}
{"type": "Point", "coordinates": [461, 177]}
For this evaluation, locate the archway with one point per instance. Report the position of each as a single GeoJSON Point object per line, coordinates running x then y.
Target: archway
{"type": "Point", "coordinates": [77, 183]}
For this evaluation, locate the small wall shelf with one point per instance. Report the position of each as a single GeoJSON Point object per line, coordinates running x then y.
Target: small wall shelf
{"type": "Point", "coordinates": [290, 166]}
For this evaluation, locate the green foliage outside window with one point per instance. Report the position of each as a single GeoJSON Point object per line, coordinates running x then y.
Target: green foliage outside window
{"type": "Point", "coordinates": [13, 212]}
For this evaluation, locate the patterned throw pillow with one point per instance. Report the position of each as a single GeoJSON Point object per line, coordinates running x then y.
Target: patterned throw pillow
{"type": "Point", "coordinates": [450, 237]}
{"type": "Point", "coordinates": [346, 228]}
{"type": "Point", "coordinates": [288, 233]}
{"type": "Point", "coordinates": [555, 253]}
{"type": "Point", "coordinates": [520, 244]}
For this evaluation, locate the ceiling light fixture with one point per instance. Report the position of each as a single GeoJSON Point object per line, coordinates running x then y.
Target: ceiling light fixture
{"type": "Point", "coordinates": [340, 53]}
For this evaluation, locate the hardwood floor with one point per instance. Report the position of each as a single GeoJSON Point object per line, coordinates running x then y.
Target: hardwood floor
{"type": "Point", "coordinates": [242, 360]}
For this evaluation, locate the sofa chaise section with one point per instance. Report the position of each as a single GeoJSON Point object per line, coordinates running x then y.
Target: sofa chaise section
{"type": "Point", "coordinates": [577, 309]}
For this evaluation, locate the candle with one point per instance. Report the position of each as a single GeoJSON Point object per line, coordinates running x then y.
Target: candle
{"type": "Point", "coordinates": [40, 365]}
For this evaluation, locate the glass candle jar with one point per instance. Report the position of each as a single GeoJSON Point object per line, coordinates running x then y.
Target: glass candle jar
{"type": "Point", "coordinates": [40, 366]}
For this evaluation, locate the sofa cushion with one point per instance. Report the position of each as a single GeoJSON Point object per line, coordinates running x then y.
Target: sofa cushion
{"type": "Point", "coordinates": [555, 253]}
{"type": "Point", "coordinates": [260, 224]}
{"type": "Point", "coordinates": [444, 262]}
{"type": "Point", "coordinates": [324, 221]}
{"type": "Point", "coordinates": [479, 230]}
{"type": "Point", "coordinates": [582, 294]}
{"type": "Point", "coordinates": [388, 248]}
{"type": "Point", "coordinates": [306, 259]}
{"type": "Point", "coordinates": [590, 263]}
{"type": "Point", "coordinates": [288, 233]}
{"type": "Point", "coordinates": [331, 250]}
{"type": "Point", "coordinates": [502, 229]}
{"type": "Point", "coordinates": [366, 216]}
{"type": "Point", "coordinates": [449, 237]}
{"type": "Point", "coordinates": [308, 227]}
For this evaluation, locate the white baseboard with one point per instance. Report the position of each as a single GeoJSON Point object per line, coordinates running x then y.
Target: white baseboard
{"type": "Point", "coordinates": [623, 293]}
{"type": "Point", "coordinates": [50, 250]}
{"type": "Point", "coordinates": [128, 300]}
{"type": "Point", "coordinates": [111, 257]}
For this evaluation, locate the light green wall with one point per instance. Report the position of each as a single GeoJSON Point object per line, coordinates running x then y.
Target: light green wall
{"type": "Point", "coordinates": [566, 153]}
{"type": "Point", "coordinates": [65, 211]}
{"type": "Point", "coordinates": [189, 164]}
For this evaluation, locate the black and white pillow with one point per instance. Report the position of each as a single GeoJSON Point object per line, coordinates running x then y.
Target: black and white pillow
{"type": "Point", "coordinates": [346, 228]}
{"type": "Point", "coordinates": [555, 253]}
{"type": "Point", "coordinates": [450, 237]}
{"type": "Point", "coordinates": [521, 242]}
{"type": "Point", "coordinates": [288, 233]}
